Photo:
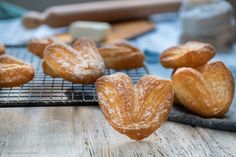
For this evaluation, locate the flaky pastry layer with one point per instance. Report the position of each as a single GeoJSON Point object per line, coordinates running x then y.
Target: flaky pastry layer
{"type": "Point", "coordinates": [136, 111]}
{"type": "Point", "coordinates": [207, 91]}
{"type": "Point", "coordinates": [191, 54]}
{"type": "Point", "coordinates": [121, 55]}
{"type": "Point", "coordinates": [47, 70]}
{"type": "Point", "coordinates": [14, 72]}
{"type": "Point", "coordinates": [81, 64]}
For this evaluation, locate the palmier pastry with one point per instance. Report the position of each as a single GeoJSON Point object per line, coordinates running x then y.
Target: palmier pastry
{"type": "Point", "coordinates": [136, 111]}
{"type": "Point", "coordinates": [121, 55]}
{"type": "Point", "coordinates": [207, 91]}
{"type": "Point", "coordinates": [191, 54]}
{"type": "Point", "coordinates": [37, 46]}
{"type": "Point", "coordinates": [14, 72]}
{"type": "Point", "coordinates": [2, 49]}
{"type": "Point", "coordinates": [81, 65]}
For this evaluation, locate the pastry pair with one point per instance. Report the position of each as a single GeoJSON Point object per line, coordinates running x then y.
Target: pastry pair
{"type": "Point", "coordinates": [14, 72]}
{"type": "Point", "coordinates": [117, 55]}
{"type": "Point", "coordinates": [136, 111]}
{"type": "Point", "coordinates": [206, 89]}
{"type": "Point", "coordinates": [78, 64]}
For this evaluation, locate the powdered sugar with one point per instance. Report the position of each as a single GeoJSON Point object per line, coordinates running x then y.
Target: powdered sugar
{"type": "Point", "coordinates": [134, 108]}
{"type": "Point", "coordinates": [81, 65]}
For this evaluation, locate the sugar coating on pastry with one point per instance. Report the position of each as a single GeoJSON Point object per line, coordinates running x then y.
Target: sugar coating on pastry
{"type": "Point", "coordinates": [14, 72]}
{"type": "Point", "coordinates": [136, 111]}
{"type": "Point", "coordinates": [2, 49]}
{"type": "Point", "coordinates": [81, 64]}
{"type": "Point", "coordinates": [191, 54]}
{"type": "Point", "coordinates": [207, 91]}
{"type": "Point", "coordinates": [37, 46]}
{"type": "Point", "coordinates": [121, 55]}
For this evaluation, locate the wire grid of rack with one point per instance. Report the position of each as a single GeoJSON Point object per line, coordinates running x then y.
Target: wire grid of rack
{"type": "Point", "coordinates": [44, 90]}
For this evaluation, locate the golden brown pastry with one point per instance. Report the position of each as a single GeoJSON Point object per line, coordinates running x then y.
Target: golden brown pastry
{"type": "Point", "coordinates": [136, 111]}
{"type": "Point", "coordinates": [47, 70]}
{"type": "Point", "coordinates": [191, 54]}
{"type": "Point", "coordinates": [14, 72]}
{"type": "Point", "coordinates": [81, 65]}
{"type": "Point", "coordinates": [121, 55]}
{"type": "Point", "coordinates": [37, 46]}
{"type": "Point", "coordinates": [2, 49]}
{"type": "Point", "coordinates": [207, 91]}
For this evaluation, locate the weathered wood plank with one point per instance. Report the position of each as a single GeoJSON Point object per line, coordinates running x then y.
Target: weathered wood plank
{"type": "Point", "coordinates": [83, 131]}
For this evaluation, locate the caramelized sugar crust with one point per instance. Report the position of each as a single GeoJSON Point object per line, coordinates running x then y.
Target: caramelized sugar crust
{"type": "Point", "coordinates": [191, 54]}
{"type": "Point", "coordinates": [136, 111]}
{"type": "Point", "coordinates": [121, 55]}
{"type": "Point", "coordinates": [81, 64]}
{"type": "Point", "coordinates": [14, 72]}
{"type": "Point", "coordinates": [207, 91]}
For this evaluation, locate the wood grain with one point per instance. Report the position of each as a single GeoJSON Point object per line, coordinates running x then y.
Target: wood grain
{"type": "Point", "coordinates": [83, 131]}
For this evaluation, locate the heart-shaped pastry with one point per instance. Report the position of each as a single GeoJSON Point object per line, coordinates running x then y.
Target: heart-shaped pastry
{"type": "Point", "coordinates": [82, 64]}
{"type": "Point", "coordinates": [191, 54]}
{"type": "Point", "coordinates": [121, 55]}
{"type": "Point", "coordinates": [207, 91]}
{"type": "Point", "coordinates": [14, 72]}
{"type": "Point", "coordinates": [136, 111]}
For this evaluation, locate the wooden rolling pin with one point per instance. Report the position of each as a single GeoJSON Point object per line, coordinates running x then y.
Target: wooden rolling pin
{"type": "Point", "coordinates": [109, 11]}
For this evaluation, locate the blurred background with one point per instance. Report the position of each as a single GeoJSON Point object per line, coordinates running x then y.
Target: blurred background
{"type": "Point", "coordinates": [153, 25]}
{"type": "Point", "coordinates": [41, 5]}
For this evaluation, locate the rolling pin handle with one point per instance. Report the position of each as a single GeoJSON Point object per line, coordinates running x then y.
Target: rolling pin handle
{"type": "Point", "coordinates": [32, 19]}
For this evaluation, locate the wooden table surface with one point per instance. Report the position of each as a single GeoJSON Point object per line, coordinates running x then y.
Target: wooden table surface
{"type": "Point", "coordinates": [83, 131]}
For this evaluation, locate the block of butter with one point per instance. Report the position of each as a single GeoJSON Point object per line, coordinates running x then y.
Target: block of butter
{"type": "Point", "coordinates": [98, 31]}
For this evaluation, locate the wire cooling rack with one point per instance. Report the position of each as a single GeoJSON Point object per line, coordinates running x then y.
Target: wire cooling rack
{"type": "Point", "coordinates": [44, 90]}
